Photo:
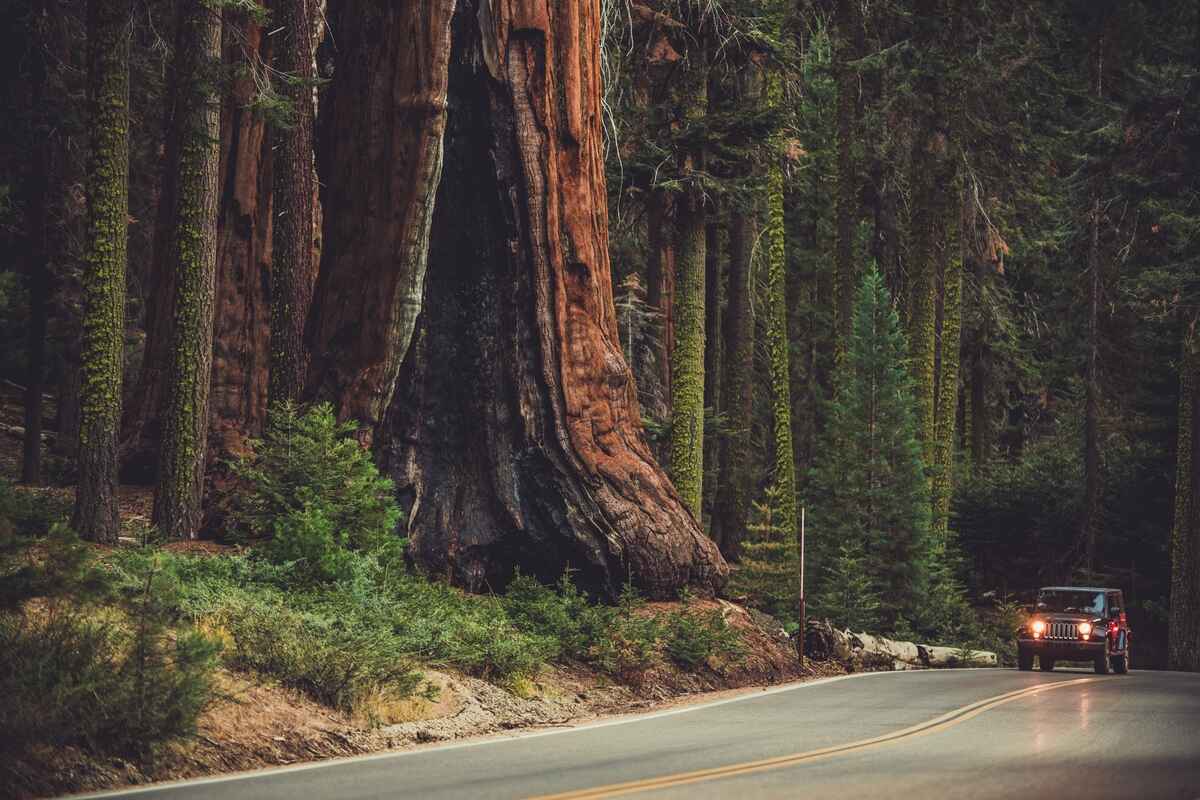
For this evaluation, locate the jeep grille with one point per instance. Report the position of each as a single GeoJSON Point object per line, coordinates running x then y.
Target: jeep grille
{"type": "Point", "coordinates": [1062, 630]}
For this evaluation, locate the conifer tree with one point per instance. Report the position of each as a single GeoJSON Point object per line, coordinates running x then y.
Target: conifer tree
{"type": "Point", "coordinates": [869, 490]}
{"type": "Point", "coordinates": [95, 515]}
{"type": "Point", "coordinates": [768, 577]}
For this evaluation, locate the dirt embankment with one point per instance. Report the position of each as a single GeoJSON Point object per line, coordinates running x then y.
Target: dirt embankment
{"type": "Point", "coordinates": [258, 724]}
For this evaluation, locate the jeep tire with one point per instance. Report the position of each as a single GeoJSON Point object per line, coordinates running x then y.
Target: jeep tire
{"type": "Point", "coordinates": [1045, 664]}
{"type": "Point", "coordinates": [1102, 664]}
{"type": "Point", "coordinates": [1024, 660]}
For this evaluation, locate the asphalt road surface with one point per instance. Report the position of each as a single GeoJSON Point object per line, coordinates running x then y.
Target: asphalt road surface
{"type": "Point", "coordinates": [927, 734]}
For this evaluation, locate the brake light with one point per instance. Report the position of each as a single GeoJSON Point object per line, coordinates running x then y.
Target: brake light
{"type": "Point", "coordinates": [1085, 629]}
{"type": "Point", "coordinates": [1113, 627]}
{"type": "Point", "coordinates": [1038, 627]}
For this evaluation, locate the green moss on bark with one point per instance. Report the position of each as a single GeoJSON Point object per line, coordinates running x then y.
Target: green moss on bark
{"type": "Point", "coordinates": [95, 515]}
{"type": "Point", "coordinates": [687, 356]}
{"type": "Point", "coordinates": [947, 399]}
{"type": "Point", "coordinates": [185, 418]}
{"type": "Point", "coordinates": [777, 334]}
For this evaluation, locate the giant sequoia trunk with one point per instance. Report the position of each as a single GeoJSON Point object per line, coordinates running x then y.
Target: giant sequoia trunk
{"type": "Point", "coordinates": [514, 433]}
{"type": "Point", "coordinates": [385, 118]}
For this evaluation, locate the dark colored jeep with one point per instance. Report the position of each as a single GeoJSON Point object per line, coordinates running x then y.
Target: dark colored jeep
{"type": "Point", "coordinates": [1076, 623]}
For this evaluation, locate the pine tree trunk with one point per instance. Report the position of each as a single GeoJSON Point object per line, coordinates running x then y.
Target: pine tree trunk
{"type": "Point", "coordinates": [177, 497]}
{"type": "Point", "coordinates": [95, 515]}
{"type": "Point", "coordinates": [947, 387]}
{"type": "Point", "coordinates": [778, 343]}
{"type": "Point", "coordinates": [38, 268]}
{"type": "Point", "coordinates": [1091, 424]}
{"type": "Point", "coordinates": [241, 328]}
{"type": "Point", "coordinates": [933, 169]}
{"type": "Point", "coordinates": [515, 437]}
{"type": "Point", "coordinates": [292, 243]}
{"type": "Point", "coordinates": [731, 511]}
{"type": "Point", "coordinates": [714, 288]}
{"type": "Point", "coordinates": [687, 356]}
{"type": "Point", "coordinates": [1183, 651]}
{"type": "Point", "coordinates": [845, 273]}
{"type": "Point", "coordinates": [386, 116]}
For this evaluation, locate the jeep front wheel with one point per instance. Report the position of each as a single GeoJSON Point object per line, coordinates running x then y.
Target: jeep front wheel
{"type": "Point", "coordinates": [1102, 664]}
{"type": "Point", "coordinates": [1046, 664]}
{"type": "Point", "coordinates": [1024, 660]}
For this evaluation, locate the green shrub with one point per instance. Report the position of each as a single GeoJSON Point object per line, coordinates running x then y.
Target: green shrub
{"type": "Point", "coordinates": [337, 662]}
{"type": "Point", "coordinates": [312, 489]}
{"type": "Point", "coordinates": [564, 616]}
{"type": "Point", "coordinates": [115, 681]}
{"type": "Point", "coordinates": [27, 513]}
{"type": "Point", "coordinates": [692, 638]}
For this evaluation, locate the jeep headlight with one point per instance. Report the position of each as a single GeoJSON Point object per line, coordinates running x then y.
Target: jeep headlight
{"type": "Point", "coordinates": [1085, 629]}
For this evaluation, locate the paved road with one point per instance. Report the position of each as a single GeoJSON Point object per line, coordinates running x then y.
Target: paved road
{"type": "Point", "coordinates": [944, 734]}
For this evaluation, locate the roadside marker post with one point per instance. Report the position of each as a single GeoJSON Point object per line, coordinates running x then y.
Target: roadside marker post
{"type": "Point", "coordinates": [800, 631]}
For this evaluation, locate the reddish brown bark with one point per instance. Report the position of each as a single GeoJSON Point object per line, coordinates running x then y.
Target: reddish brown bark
{"type": "Point", "coordinates": [386, 115]}
{"type": "Point", "coordinates": [660, 279]}
{"type": "Point", "coordinates": [515, 434]}
{"type": "Point", "coordinates": [242, 325]}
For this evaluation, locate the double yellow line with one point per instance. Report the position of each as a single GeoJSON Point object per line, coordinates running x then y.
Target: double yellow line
{"type": "Point", "coordinates": [948, 720]}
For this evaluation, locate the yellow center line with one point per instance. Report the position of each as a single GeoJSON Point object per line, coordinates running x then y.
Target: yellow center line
{"type": "Point", "coordinates": [947, 720]}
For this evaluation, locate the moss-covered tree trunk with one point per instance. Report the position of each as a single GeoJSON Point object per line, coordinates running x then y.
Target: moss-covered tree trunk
{"type": "Point", "coordinates": [241, 327]}
{"type": "Point", "coordinates": [386, 114]}
{"type": "Point", "coordinates": [714, 289]}
{"type": "Point", "coordinates": [942, 487]}
{"type": "Point", "coordinates": [1183, 651]}
{"type": "Point", "coordinates": [95, 515]}
{"type": "Point", "coordinates": [292, 250]}
{"type": "Point", "coordinates": [778, 343]}
{"type": "Point", "coordinates": [932, 176]}
{"type": "Point", "coordinates": [731, 512]}
{"type": "Point", "coordinates": [515, 437]}
{"type": "Point", "coordinates": [182, 450]}
{"type": "Point", "coordinates": [687, 356]}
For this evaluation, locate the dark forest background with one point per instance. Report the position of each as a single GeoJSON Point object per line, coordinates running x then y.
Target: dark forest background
{"type": "Point", "coordinates": [1021, 177]}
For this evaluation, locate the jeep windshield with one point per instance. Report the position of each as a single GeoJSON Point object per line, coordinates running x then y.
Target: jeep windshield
{"type": "Point", "coordinates": [1071, 602]}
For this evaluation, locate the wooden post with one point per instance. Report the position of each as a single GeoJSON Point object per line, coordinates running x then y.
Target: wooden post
{"type": "Point", "coordinates": [800, 631]}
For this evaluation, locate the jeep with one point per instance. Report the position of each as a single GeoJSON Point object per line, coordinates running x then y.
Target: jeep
{"type": "Point", "coordinates": [1076, 623]}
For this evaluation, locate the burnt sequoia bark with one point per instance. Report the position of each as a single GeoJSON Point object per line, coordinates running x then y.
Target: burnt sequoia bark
{"type": "Point", "coordinates": [515, 435]}
{"type": "Point", "coordinates": [386, 115]}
